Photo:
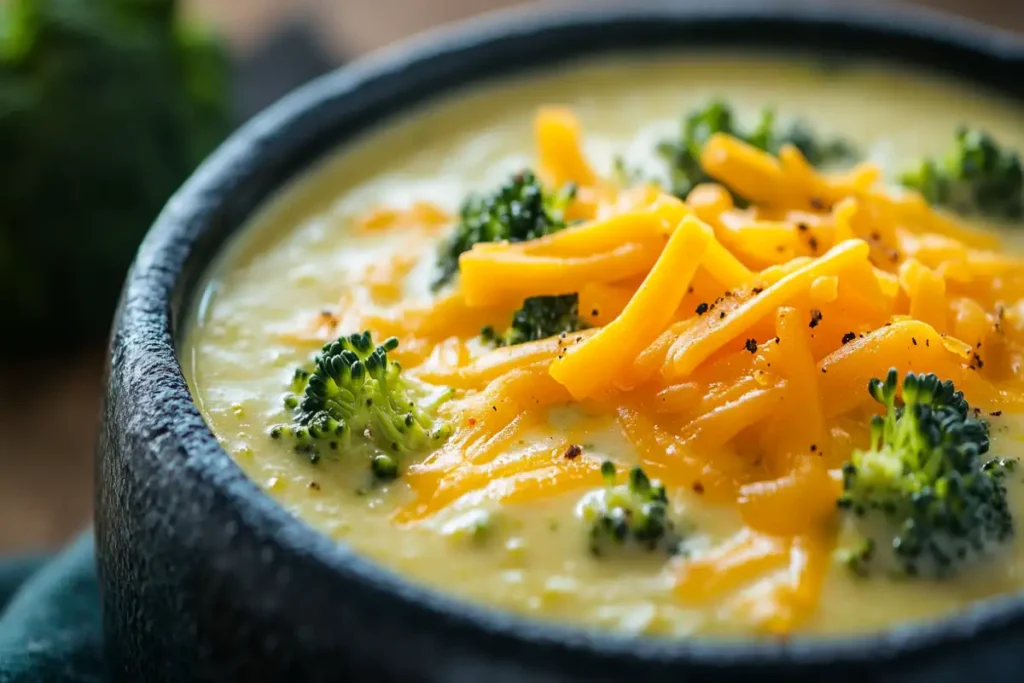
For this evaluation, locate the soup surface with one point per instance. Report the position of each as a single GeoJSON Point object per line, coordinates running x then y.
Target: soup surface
{"type": "Point", "coordinates": [495, 514]}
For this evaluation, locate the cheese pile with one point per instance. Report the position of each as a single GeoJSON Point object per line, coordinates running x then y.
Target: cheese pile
{"type": "Point", "coordinates": [732, 346]}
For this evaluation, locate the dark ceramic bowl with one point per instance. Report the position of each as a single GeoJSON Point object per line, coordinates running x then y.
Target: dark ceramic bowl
{"type": "Point", "coordinates": [206, 578]}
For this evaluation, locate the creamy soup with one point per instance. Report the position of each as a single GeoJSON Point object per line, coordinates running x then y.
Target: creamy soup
{"type": "Point", "coordinates": [500, 508]}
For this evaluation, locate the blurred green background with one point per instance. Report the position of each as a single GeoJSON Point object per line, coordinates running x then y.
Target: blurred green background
{"type": "Point", "coordinates": [105, 106]}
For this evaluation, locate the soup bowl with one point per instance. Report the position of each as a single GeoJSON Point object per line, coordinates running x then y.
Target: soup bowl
{"type": "Point", "coordinates": [204, 577]}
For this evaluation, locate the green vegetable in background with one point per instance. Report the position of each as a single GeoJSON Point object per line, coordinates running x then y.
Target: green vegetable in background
{"type": "Point", "coordinates": [539, 317]}
{"type": "Point", "coordinates": [682, 154]}
{"type": "Point", "coordinates": [519, 210]}
{"type": "Point", "coordinates": [106, 106]}
{"type": "Point", "coordinates": [977, 176]}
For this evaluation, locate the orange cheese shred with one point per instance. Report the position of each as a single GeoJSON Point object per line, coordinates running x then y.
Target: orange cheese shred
{"type": "Point", "coordinates": [727, 567]}
{"type": "Point", "coordinates": [500, 362]}
{"type": "Point", "coordinates": [794, 594]}
{"type": "Point", "coordinates": [560, 149]}
{"type": "Point", "coordinates": [425, 215]}
{"type": "Point", "coordinates": [642, 226]}
{"type": "Point", "coordinates": [697, 343]}
{"type": "Point", "coordinates": [907, 345]}
{"type": "Point", "coordinates": [803, 429]}
{"type": "Point", "coordinates": [592, 366]}
{"type": "Point", "coordinates": [926, 290]}
{"type": "Point", "coordinates": [492, 276]}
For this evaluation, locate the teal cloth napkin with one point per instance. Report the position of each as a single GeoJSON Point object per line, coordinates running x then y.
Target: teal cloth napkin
{"type": "Point", "coordinates": [50, 626]}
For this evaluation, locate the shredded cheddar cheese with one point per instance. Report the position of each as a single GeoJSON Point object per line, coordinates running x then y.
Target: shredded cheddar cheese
{"type": "Point", "coordinates": [713, 331]}
{"type": "Point", "coordinates": [592, 366]}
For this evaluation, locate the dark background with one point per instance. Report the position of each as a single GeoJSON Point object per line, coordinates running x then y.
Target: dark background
{"type": "Point", "coordinates": [48, 412]}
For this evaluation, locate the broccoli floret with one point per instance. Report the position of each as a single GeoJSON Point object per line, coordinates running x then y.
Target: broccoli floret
{"type": "Point", "coordinates": [352, 391]}
{"type": "Point", "coordinates": [682, 155]}
{"type": "Point", "coordinates": [517, 211]}
{"type": "Point", "coordinates": [977, 176]}
{"type": "Point", "coordinates": [106, 106]}
{"type": "Point", "coordinates": [630, 515]}
{"type": "Point", "coordinates": [858, 556]}
{"type": "Point", "coordinates": [539, 318]}
{"type": "Point", "coordinates": [924, 490]}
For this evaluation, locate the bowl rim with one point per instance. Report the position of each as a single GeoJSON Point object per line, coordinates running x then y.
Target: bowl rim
{"type": "Point", "coordinates": [157, 294]}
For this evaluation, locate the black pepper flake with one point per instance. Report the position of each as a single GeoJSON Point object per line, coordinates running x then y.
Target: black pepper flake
{"type": "Point", "coordinates": [913, 340]}
{"type": "Point", "coordinates": [698, 487]}
{"type": "Point", "coordinates": [875, 236]}
{"type": "Point", "coordinates": [572, 452]}
{"type": "Point", "coordinates": [813, 244]}
{"type": "Point", "coordinates": [927, 342]}
{"type": "Point", "coordinates": [823, 371]}
{"type": "Point", "coordinates": [817, 204]}
{"type": "Point", "coordinates": [776, 340]}
{"type": "Point", "coordinates": [849, 337]}
{"type": "Point", "coordinates": [594, 312]}
{"type": "Point", "coordinates": [978, 361]}
{"type": "Point", "coordinates": [721, 315]}
{"type": "Point", "coordinates": [757, 290]}
{"type": "Point", "coordinates": [814, 448]}
{"type": "Point", "coordinates": [750, 345]}
{"type": "Point", "coordinates": [494, 408]}
{"type": "Point", "coordinates": [815, 318]}
{"type": "Point", "coordinates": [702, 308]}
{"type": "Point", "coordinates": [689, 290]}
{"type": "Point", "coordinates": [996, 413]}
{"type": "Point", "coordinates": [802, 227]}
{"type": "Point", "coordinates": [314, 485]}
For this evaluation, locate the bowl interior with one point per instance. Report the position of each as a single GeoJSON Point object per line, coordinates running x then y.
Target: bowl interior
{"type": "Point", "coordinates": [294, 134]}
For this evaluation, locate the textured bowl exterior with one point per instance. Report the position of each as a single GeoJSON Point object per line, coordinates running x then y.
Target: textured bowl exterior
{"type": "Point", "coordinates": [204, 578]}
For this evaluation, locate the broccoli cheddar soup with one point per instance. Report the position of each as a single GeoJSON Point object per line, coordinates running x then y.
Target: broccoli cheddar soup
{"type": "Point", "coordinates": [665, 345]}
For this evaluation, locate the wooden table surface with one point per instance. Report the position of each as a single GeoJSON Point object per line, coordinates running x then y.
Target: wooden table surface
{"type": "Point", "coordinates": [47, 424]}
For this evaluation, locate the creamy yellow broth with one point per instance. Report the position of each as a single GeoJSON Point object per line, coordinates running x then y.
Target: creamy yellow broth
{"type": "Point", "coordinates": [301, 255]}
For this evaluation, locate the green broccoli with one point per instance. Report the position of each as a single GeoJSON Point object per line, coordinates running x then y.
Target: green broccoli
{"type": "Point", "coordinates": [682, 155]}
{"type": "Point", "coordinates": [539, 318]}
{"type": "Point", "coordinates": [977, 176]}
{"type": "Point", "coordinates": [924, 490]}
{"type": "Point", "coordinates": [634, 514]}
{"type": "Point", "coordinates": [106, 106]}
{"type": "Point", "coordinates": [519, 210]}
{"type": "Point", "coordinates": [354, 395]}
